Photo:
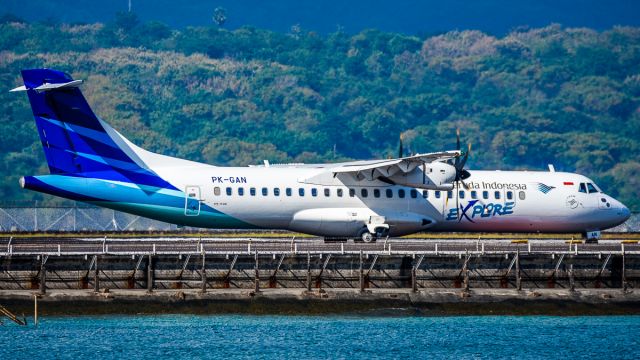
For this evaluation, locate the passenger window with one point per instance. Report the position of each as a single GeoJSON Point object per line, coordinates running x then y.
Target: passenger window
{"type": "Point", "coordinates": [497, 195]}
{"type": "Point", "coordinates": [229, 191]}
{"type": "Point", "coordinates": [583, 188]}
{"type": "Point", "coordinates": [265, 191]}
{"type": "Point", "coordinates": [591, 188]}
{"type": "Point", "coordinates": [364, 193]}
{"type": "Point", "coordinates": [414, 193]}
{"type": "Point", "coordinates": [241, 191]}
{"type": "Point", "coordinates": [485, 195]}
{"type": "Point", "coordinates": [276, 191]}
{"type": "Point", "coordinates": [389, 193]}
{"type": "Point", "coordinates": [509, 195]}
{"type": "Point", "coordinates": [461, 194]}
{"type": "Point", "coordinates": [449, 194]}
{"type": "Point", "coordinates": [252, 191]}
{"type": "Point", "coordinates": [339, 192]}
{"type": "Point", "coordinates": [522, 195]}
{"type": "Point", "coordinates": [216, 191]}
{"type": "Point", "coordinates": [314, 192]}
{"type": "Point", "coordinates": [301, 191]}
{"type": "Point", "coordinates": [425, 194]}
{"type": "Point", "coordinates": [327, 192]}
{"type": "Point", "coordinates": [437, 194]}
{"type": "Point", "coordinates": [474, 194]}
{"type": "Point", "coordinates": [376, 193]}
{"type": "Point", "coordinates": [401, 193]}
{"type": "Point", "coordinates": [352, 192]}
{"type": "Point", "coordinates": [287, 191]}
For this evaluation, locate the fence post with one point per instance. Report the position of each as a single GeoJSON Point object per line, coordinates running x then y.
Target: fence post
{"type": "Point", "coordinates": [96, 276]}
{"type": "Point", "coordinates": [150, 274]}
{"type": "Point", "coordinates": [257, 275]}
{"type": "Point", "coordinates": [361, 274]}
{"type": "Point", "coordinates": [518, 277]}
{"type": "Point", "coordinates": [308, 271]}
{"type": "Point", "coordinates": [204, 273]}
{"type": "Point", "coordinates": [43, 275]}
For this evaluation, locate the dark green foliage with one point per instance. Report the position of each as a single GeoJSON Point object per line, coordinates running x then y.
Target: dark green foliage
{"type": "Point", "coordinates": [564, 96]}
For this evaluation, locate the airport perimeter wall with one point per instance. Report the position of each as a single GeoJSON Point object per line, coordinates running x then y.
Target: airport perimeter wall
{"type": "Point", "coordinates": [81, 217]}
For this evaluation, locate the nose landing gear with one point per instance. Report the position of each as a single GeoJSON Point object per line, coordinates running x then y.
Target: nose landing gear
{"type": "Point", "coordinates": [591, 237]}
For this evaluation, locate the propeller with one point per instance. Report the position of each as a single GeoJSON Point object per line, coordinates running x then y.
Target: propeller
{"type": "Point", "coordinates": [461, 173]}
{"type": "Point", "coordinates": [400, 148]}
{"type": "Point", "coordinates": [461, 160]}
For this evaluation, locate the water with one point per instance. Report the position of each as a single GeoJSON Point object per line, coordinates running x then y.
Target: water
{"type": "Point", "coordinates": [335, 337]}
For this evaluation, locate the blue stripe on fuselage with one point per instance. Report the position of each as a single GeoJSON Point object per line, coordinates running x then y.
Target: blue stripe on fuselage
{"type": "Point", "coordinates": [149, 201]}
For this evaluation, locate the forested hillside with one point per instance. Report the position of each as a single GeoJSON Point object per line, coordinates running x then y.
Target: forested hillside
{"type": "Point", "coordinates": [570, 97]}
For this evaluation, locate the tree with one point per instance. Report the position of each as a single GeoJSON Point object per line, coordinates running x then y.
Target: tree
{"type": "Point", "coordinates": [126, 20]}
{"type": "Point", "coordinates": [220, 16]}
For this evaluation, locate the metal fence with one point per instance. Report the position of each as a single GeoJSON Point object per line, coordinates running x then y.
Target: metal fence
{"type": "Point", "coordinates": [81, 217]}
{"type": "Point", "coordinates": [75, 218]}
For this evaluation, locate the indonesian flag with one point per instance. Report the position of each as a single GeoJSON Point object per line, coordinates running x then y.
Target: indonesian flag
{"type": "Point", "coordinates": [568, 183]}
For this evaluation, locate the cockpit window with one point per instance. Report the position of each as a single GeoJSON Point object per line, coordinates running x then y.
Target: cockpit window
{"type": "Point", "coordinates": [592, 189]}
{"type": "Point", "coordinates": [583, 188]}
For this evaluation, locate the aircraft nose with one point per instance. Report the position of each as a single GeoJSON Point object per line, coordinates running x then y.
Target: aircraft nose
{"type": "Point", "coordinates": [622, 212]}
{"type": "Point", "coordinates": [625, 213]}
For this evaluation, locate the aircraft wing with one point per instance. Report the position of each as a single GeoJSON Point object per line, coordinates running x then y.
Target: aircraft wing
{"type": "Point", "coordinates": [374, 169]}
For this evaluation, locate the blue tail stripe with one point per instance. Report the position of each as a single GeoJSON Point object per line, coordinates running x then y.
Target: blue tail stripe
{"type": "Point", "coordinates": [85, 133]}
{"type": "Point", "coordinates": [71, 106]}
{"type": "Point", "coordinates": [146, 201]}
{"type": "Point", "coordinates": [85, 145]}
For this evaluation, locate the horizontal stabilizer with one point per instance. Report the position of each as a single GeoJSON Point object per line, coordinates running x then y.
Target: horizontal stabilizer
{"type": "Point", "coordinates": [48, 86]}
{"type": "Point", "coordinates": [19, 88]}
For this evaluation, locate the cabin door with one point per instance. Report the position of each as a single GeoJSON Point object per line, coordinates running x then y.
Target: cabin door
{"type": "Point", "coordinates": [192, 201]}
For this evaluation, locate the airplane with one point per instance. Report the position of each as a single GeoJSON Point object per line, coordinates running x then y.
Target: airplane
{"type": "Point", "coordinates": [365, 200]}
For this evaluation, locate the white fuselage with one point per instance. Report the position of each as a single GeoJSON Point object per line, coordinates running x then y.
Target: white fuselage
{"type": "Point", "coordinates": [310, 200]}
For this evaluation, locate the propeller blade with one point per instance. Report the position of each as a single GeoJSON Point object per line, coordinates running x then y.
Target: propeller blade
{"type": "Point", "coordinates": [464, 185]}
{"type": "Point", "coordinates": [457, 159]}
{"type": "Point", "coordinates": [462, 162]}
{"type": "Point", "coordinates": [461, 172]}
{"type": "Point", "coordinates": [400, 148]}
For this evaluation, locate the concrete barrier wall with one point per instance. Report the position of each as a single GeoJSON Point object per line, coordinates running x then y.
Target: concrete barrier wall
{"type": "Point", "coordinates": [342, 271]}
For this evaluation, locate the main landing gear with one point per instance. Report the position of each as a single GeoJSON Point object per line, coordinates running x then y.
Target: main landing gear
{"type": "Point", "coordinates": [367, 236]}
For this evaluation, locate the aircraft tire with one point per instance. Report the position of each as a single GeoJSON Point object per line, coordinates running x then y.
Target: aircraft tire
{"type": "Point", "coordinates": [367, 237]}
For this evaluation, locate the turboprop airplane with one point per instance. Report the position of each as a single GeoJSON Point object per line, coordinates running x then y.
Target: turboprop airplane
{"type": "Point", "coordinates": [91, 162]}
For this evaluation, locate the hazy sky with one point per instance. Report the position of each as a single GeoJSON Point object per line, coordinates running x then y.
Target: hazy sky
{"type": "Point", "coordinates": [408, 16]}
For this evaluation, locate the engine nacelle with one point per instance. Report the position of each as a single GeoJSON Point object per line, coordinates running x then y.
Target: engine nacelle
{"type": "Point", "coordinates": [433, 176]}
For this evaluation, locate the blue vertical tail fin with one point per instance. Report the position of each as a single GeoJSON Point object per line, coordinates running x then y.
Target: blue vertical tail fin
{"type": "Point", "coordinates": [75, 141]}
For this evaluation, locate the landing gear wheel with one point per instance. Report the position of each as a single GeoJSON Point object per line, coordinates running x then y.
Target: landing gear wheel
{"type": "Point", "coordinates": [367, 237]}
